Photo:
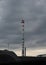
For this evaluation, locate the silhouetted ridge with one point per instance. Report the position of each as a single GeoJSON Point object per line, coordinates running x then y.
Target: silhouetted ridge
{"type": "Point", "coordinates": [8, 56]}
{"type": "Point", "coordinates": [42, 55]}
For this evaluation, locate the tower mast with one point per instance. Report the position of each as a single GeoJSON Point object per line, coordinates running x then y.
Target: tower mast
{"type": "Point", "coordinates": [22, 37]}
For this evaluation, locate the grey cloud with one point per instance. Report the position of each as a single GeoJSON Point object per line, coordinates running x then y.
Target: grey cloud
{"type": "Point", "coordinates": [34, 14]}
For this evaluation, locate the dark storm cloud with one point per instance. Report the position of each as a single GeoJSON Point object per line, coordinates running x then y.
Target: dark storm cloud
{"type": "Point", "coordinates": [34, 14]}
{"type": "Point", "coordinates": [9, 31]}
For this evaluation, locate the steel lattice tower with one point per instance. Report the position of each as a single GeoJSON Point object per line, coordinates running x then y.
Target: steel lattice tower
{"type": "Point", "coordinates": [22, 22]}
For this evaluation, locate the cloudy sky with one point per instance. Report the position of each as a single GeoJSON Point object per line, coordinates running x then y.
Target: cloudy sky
{"type": "Point", "coordinates": [34, 14]}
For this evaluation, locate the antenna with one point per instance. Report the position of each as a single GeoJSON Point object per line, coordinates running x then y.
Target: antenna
{"type": "Point", "coordinates": [23, 48]}
{"type": "Point", "coordinates": [8, 46]}
{"type": "Point", "coordinates": [25, 52]}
